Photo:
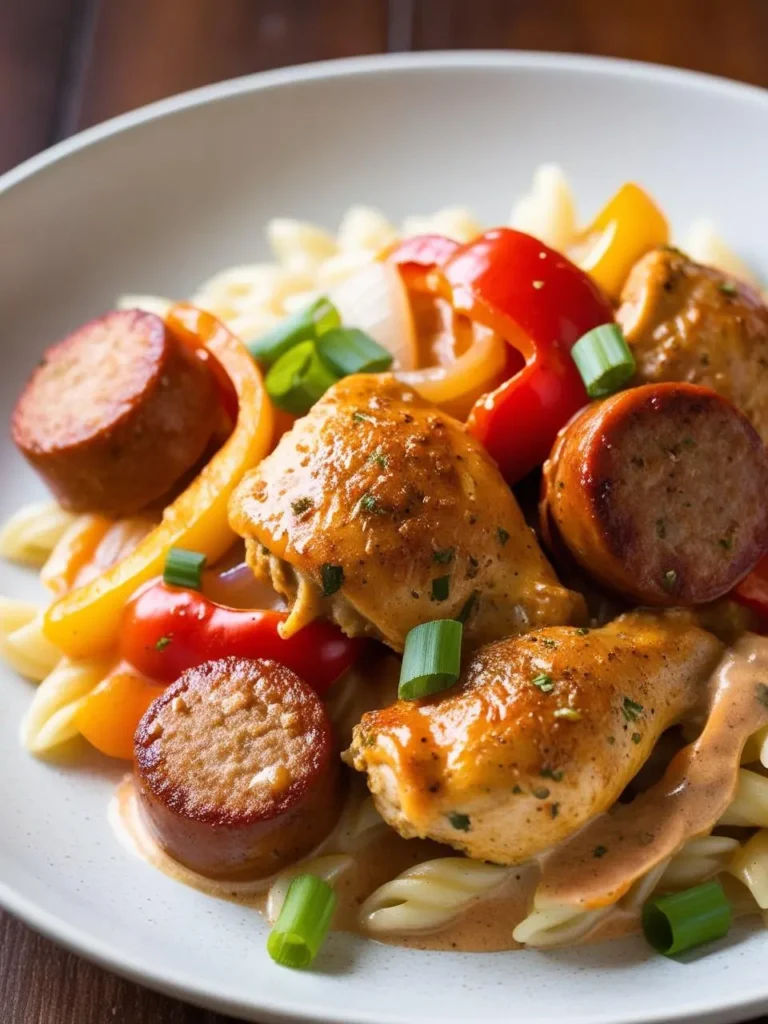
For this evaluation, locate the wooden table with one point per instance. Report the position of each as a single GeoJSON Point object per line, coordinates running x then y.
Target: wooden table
{"type": "Point", "coordinates": [66, 64]}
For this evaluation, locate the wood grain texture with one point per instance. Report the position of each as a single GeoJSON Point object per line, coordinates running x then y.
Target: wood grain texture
{"type": "Point", "coordinates": [723, 37]}
{"type": "Point", "coordinates": [148, 49]}
{"type": "Point", "coordinates": [34, 38]}
{"type": "Point", "coordinates": [43, 984]}
{"type": "Point", "coordinates": [70, 63]}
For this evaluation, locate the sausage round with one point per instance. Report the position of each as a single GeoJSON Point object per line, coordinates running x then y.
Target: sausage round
{"type": "Point", "coordinates": [236, 769]}
{"type": "Point", "coordinates": [116, 413]}
{"type": "Point", "coordinates": [660, 493]}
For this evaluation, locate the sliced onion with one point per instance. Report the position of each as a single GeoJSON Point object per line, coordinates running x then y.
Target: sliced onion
{"type": "Point", "coordinates": [376, 301]}
{"type": "Point", "coordinates": [457, 386]}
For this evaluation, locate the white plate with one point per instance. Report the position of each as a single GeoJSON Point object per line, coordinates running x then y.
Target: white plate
{"type": "Point", "coordinates": [158, 199]}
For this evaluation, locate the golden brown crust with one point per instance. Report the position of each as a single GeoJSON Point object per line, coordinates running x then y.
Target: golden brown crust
{"type": "Point", "coordinates": [377, 482]}
{"type": "Point", "coordinates": [116, 413]}
{"type": "Point", "coordinates": [692, 323]}
{"type": "Point", "coordinates": [659, 493]}
{"type": "Point", "coordinates": [236, 768]}
{"type": "Point", "coordinates": [497, 750]}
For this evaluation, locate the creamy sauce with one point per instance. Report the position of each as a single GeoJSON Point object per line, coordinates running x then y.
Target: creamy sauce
{"type": "Point", "coordinates": [637, 838]}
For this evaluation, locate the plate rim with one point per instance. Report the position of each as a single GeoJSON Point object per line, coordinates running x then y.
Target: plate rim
{"type": "Point", "coordinates": [108, 955]}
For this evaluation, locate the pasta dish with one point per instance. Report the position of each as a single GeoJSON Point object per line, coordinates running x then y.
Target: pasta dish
{"type": "Point", "coordinates": [420, 578]}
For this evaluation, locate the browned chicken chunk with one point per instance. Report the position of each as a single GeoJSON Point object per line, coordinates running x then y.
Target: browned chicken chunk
{"type": "Point", "coordinates": [692, 323]}
{"type": "Point", "coordinates": [542, 733]}
{"type": "Point", "coordinates": [381, 513]}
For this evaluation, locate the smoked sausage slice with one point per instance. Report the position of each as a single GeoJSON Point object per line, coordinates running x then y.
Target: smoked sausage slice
{"type": "Point", "coordinates": [236, 769]}
{"type": "Point", "coordinates": [115, 414]}
{"type": "Point", "coordinates": [659, 492]}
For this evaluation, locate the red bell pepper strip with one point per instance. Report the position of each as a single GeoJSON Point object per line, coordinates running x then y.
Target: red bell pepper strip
{"type": "Point", "coordinates": [167, 630]}
{"type": "Point", "coordinates": [753, 590]}
{"type": "Point", "coordinates": [541, 304]}
{"type": "Point", "coordinates": [417, 257]}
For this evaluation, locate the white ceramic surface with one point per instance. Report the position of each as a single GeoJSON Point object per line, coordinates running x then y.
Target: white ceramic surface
{"type": "Point", "coordinates": [156, 200]}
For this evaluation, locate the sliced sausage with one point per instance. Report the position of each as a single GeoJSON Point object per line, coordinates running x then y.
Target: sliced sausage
{"type": "Point", "coordinates": [236, 769]}
{"type": "Point", "coordinates": [692, 323]}
{"type": "Point", "coordinates": [660, 493]}
{"type": "Point", "coordinates": [116, 413]}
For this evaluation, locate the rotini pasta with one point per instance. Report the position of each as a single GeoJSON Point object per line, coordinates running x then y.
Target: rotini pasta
{"type": "Point", "coordinates": [330, 868]}
{"type": "Point", "coordinates": [548, 211]}
{"type": "Point", "coordinates": [429, 895]}
{"type": "Point", "coordinates": [50, 720]}
{"type": "Point", "coordinates": [756, 748]}
{"type": "Point", "coordinates": [750, 866]}
{"type": "Point", "coordinates": [25, 648]}
{"type": "Point", "coordinates": [31, 534]}
{"type": "Point", "coordinates": [750, 804]}
{"type": "Point", "coordinates": [705, 246]}
{"type": "Point", "coordinates": [699, 859]}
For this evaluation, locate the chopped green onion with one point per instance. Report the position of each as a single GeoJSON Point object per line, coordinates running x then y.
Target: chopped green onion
{"type": "Point", "coordinates": [604, 360]}
{"type": "Point", "coordinates": [678, 922]}
{"type": "Point", "coordinates": [431, 659]}
{"type": "Point", "coordinates": [300, 930]}
{"type": "Point", "coordinates": [304, 325]}
{"type": "Point", "coordinates": [184, 568]}
{"type": "Point", "coordinates": [461, 822]}
{"type": "Point", "coordinates": [348, 350]}
{"type": "Point", "coordinates": [298, 379]}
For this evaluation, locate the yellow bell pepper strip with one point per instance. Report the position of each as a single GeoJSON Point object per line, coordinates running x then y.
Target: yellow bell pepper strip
{"type": "Point", "coordinates": [627, 227]}
{"type": "Point", "coordinates": [87, 620]}
{"type": "Point", "coordinates": [74, 550]}
{"type": "Point", "coordinates": [109, 715]}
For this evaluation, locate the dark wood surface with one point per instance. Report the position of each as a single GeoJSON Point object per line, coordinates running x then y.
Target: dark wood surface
{"type": "Point", "coordinates": [66, 64]}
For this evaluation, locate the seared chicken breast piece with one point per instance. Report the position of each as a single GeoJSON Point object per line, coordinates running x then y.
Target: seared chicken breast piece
{"type": "Point", "coordinates": [692, 323]}
{"type": "Point", "coordinates": [541, 734]}
{"type": "Point", "coordinates": [380, 512]}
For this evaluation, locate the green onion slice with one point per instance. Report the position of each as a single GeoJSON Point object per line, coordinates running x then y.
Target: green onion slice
{"type": "Point", "coordinates": [304, 325]}
{"type": "Point", "coordinates": [184, 568]}
{"type": "Point", "coordinates": [348, 350]}
{"type": "Point", "coordinates": [298, 379]}
{"type": "Point", "coordinates": [678, 922]}
{"type": "Point", "coordinates": [604, 360]}
{"type": "Point", "coordinates": [431, 659]}
{"type": "Point", "coordinates": [300, 930]}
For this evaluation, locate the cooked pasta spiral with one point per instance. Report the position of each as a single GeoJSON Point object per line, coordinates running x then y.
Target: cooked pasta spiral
{"type": "Point", "coordinates": [330, 868]}
{"type": "Point", "coordinates": [750, 804]}
{"type": "Point", "coordinates": [50, 719]}
{"type": "Point", "coordinates": [22, 643]}
{"type": "Point", "coordinates": [31, 534]}
{"type": "Point", "coordinates": [750, 866]}
{"type": "Point", "coordinates": [429, 895]}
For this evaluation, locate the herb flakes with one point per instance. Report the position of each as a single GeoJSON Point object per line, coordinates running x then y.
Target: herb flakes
{"type": "Point", "coordinates": [461, 822]}
{"type": "Point", "coordinates": [444, 556]}
{"type": "Point", "coordinates": [544, 682]}
{"type": "Point", "coordinates": [503, 535]}
{"type": "Point", "coordinates": [301, 505]}
{"type": "Point", "coordinates": [441, 588]}
{"type": "Point", "coordinates": [631, 710]}
{"type": "Point", "coordinates": [162, 643]}
{"type": "Point", "coordinates": [332, 577]}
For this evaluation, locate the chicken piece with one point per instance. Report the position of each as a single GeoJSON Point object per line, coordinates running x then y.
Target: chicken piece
{"type": "Point", "coordinates": [542, 733]}
{"type": "Point", "coordinates": [692, 323]}
{"type": "Point", "coordinates": [380, 512]}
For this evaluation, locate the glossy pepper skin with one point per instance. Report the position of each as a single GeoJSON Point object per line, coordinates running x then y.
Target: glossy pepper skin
{"type": "Point", "coordinates": [628, 226]}
{"type": "Point", "coordinates": [86, 621]}
{"type": "Point", "coordinates": [541, 304]}
{"type": "Point", "coordinates": [167, 630]}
